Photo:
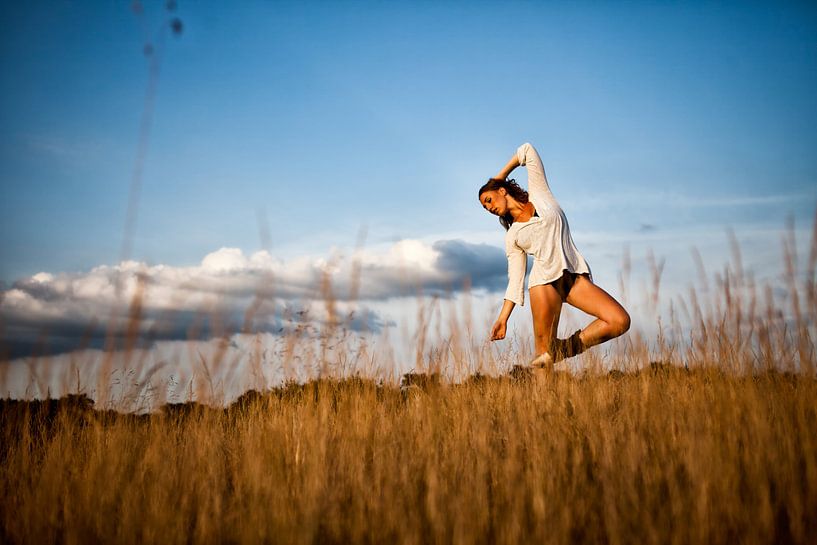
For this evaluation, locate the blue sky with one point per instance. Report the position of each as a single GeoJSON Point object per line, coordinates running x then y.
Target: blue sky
{"type": "Point", "coordinates": [659, 124]}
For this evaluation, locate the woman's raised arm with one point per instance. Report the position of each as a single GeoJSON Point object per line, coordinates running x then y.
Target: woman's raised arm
{"type": "Point", "coordinates": [527, 155]}
{"type": "Point", "coordinates": [508, 168]}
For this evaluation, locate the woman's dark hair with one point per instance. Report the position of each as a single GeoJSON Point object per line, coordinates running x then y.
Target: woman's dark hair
{"type": "Point", "coordinates": [513, 189]}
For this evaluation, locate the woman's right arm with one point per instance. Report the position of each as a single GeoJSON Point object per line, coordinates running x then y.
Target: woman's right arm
{"type": "Point", "coordinates": [515, 294]}
{"type": "Point", "coordinates": [501, 324]}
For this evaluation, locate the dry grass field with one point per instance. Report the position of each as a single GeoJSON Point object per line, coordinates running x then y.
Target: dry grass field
{"type": "Point", "coordinates": [661, 456]}
{"type": "Point", "coordinates": [714, 442]}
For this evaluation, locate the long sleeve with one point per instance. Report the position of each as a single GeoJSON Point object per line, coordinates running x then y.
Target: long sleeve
{"type": "Point", "coordinates": [537, 181]}
{"type": "Point", "coordinates": [517, 266]}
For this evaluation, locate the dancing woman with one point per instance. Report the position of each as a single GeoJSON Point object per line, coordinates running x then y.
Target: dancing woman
{"type": "Point", "coordinates": [536, 225]}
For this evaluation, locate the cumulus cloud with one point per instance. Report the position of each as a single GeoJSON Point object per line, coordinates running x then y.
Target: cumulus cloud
{"type": "Point", "coordinates": [231, 291]}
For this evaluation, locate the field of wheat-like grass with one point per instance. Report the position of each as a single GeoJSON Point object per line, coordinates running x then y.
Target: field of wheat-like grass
{"type": "Point", "coordinates": [661, 456]}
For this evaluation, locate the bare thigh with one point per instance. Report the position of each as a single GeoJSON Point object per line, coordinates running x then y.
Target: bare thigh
{"type": "Point", "coordinates": [589, 298]}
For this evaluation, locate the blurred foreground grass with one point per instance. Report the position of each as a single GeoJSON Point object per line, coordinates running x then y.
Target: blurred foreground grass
{"type": "Point", "coordinates": [665, 455]}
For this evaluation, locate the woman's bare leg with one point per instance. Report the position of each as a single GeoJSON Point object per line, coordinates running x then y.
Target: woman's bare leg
{"type": "Point", "coordinates": [611, 318]}
{"type": "Point", "coordinates": [545, 308]}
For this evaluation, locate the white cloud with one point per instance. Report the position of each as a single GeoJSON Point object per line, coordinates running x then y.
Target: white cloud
{"type": "Point", "coordinates": [225, 260]}
{"type": "Point", "coordinates": [67, 304]}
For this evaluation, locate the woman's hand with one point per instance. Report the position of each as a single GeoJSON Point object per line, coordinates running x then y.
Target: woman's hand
{"type": "Point", "coordinates": [498, 330]}
{"type": "Point", "coordinates": [501, 324]}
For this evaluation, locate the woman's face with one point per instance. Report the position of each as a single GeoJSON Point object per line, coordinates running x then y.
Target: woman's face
{"type": "Point", "coordinates": [494, 201]}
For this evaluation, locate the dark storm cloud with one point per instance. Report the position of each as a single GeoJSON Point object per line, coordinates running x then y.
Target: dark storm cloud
{"type": "Point", "coordinates": [483, 265]}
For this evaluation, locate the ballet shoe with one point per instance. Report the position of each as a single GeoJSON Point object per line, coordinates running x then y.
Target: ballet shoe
{"type": "Point", "coordinates": [542, 360]}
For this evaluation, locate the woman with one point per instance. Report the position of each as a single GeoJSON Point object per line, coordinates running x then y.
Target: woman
{"type": "Point", "coordinates": [536, 225]}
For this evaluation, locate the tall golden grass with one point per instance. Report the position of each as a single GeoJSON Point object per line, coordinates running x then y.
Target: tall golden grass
{"type": "Point", "coordinates": [662, 456]}
{"type": "Point", "coordinates": [715, 441]}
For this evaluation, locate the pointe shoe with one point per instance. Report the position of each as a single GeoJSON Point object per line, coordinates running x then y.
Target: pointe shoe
{"type": "Point", "coordinates": [542, 360]}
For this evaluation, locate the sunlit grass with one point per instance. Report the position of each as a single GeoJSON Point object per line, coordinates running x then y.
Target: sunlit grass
{"type": "Point", "coordinates": [662, 456]}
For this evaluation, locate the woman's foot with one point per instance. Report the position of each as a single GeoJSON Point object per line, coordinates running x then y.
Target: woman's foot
{"type": "Point", "coordinates": [544, 360]}
{"type": "Point", "coordinates": [525, 371]}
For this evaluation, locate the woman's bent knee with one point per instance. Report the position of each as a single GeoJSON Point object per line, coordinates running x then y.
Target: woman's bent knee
{"type": "Point", "coordinates": [620, 324]}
